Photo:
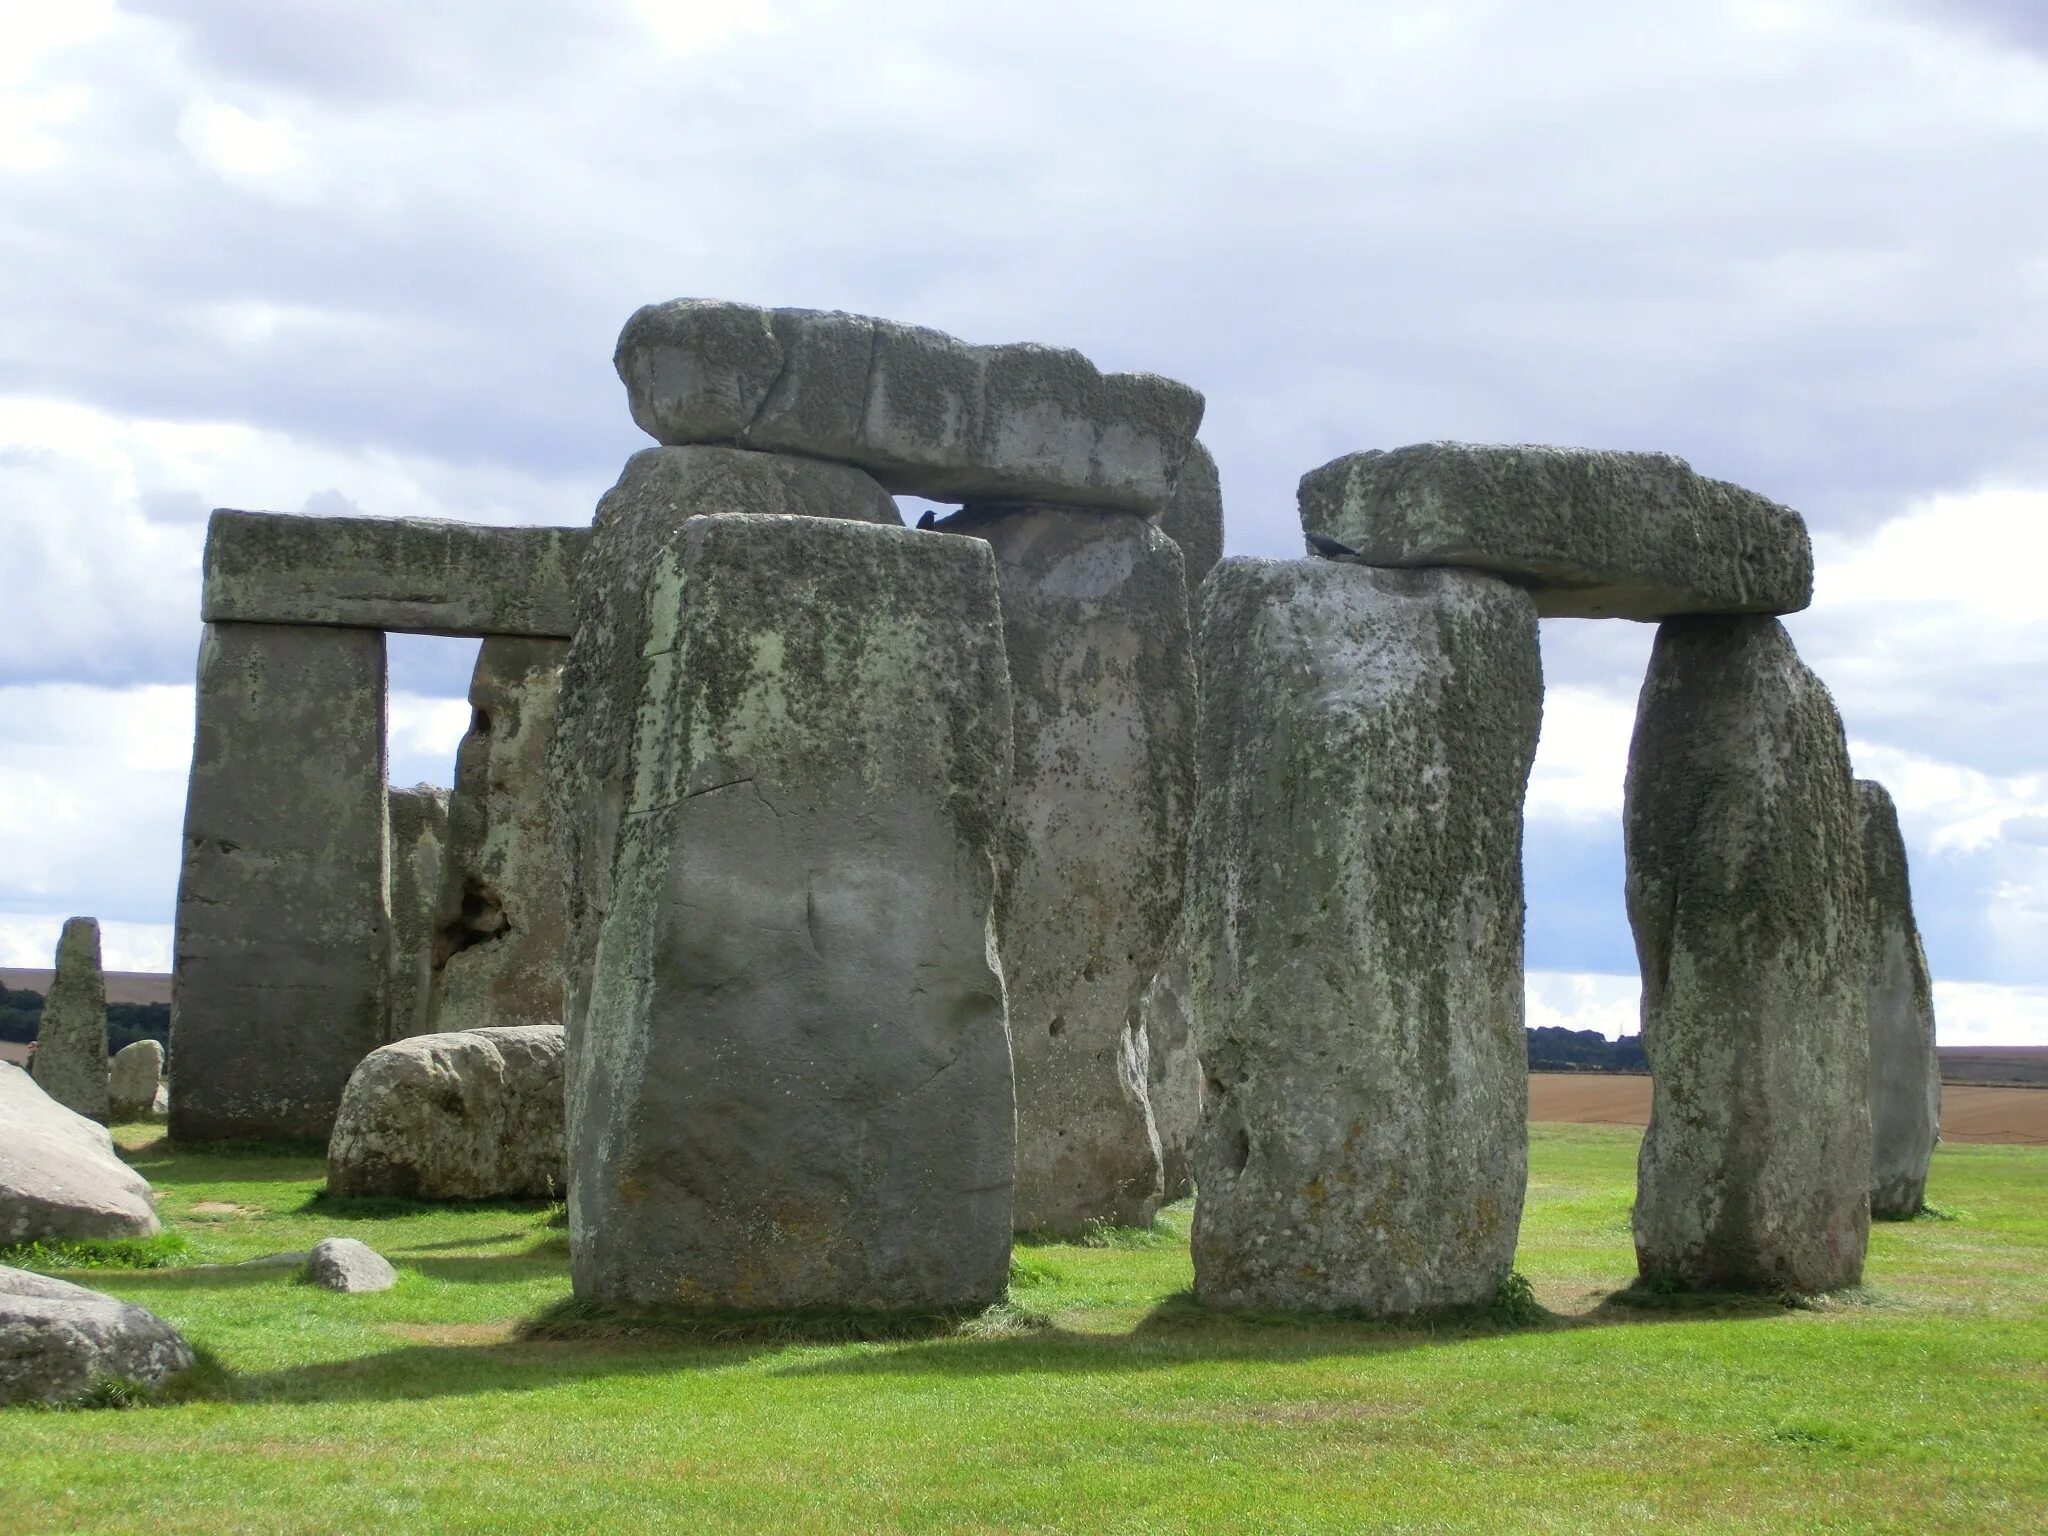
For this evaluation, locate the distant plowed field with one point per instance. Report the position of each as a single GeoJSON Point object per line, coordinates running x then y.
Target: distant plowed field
{"type": "Point", "coordinates": [2016, 1116]}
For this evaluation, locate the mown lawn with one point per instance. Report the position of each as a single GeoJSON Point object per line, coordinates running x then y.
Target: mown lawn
{"type": "Point", "coordinates": [1101, 1401]}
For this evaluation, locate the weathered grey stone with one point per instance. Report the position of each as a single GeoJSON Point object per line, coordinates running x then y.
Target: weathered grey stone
{"type": "Point", "coordinates": [1193, 519]}
{"type": "Point", "coordinates": [134, 1079]}
{"type": "Point", "coordinates": [59, 1176]}
{"type": "Point", "coordinates": [1173, 1073]}
{"type": "Point", "coordinates": [500, 928]}
{"type": "Point", "coordinates": [926, 414]}
{"type": "Point", "coordinates": [402, 573]}
{"type": "Point", "coordinates": [1905, 1072]}
{"type": "Point", "coordinates": [598, 715]}
{"type": "Point", "coordinates": [1094, 844]}
{"type": "Point", "coordinates": [71, 1040]}
{"type": "Point", "coordinates": [1591, 534]}
{"type": "Point", "coordinates": [1746, 894]}
{"type": "Point", "coordinates": [1355, 935]}
{"type": "Point", "coordinates": [471, 1115]}
{"type": "Point", "coordinates": [789, 1078]}
{"type": "Point", "coordinates": [417, 863]}
{"type": "Point", "coordinates": [350, 1266]}
{"type": "Point", "coordinates": [58, 1339]}
{"type": "Point", "coordinates": [279, 968]}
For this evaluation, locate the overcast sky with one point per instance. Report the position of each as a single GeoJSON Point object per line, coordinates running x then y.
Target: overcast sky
{"type": "Point", "coordinates": [373, 255]}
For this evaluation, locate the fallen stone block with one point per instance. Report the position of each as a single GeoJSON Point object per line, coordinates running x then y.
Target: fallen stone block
{"type": "Point", "coordinates": [1905, 1072]}
{"type": "Point", "coordinates": [347, 1265]}
{"type": "Point", "coordinates": [58, 1341]}
{"type": "Point", "coordinates": [59, 1175]}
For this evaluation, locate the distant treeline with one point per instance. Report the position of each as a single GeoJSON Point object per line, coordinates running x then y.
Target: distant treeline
{"type": "Point", "coordinates": [1584, 1050]}
{"type": "Point", "coordinates": [21, 1012]}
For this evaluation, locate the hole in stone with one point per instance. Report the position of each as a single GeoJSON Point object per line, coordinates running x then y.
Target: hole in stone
{"type": "Point", "coordinates": [1057, 1026]}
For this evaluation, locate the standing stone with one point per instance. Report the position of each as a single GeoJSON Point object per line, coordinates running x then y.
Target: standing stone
{"type": "Point", "coordinates": [1173, 1073]}
{"type": "Point", "coordinates": [1746, 894]}
{"type": "Point", "coordinates": [280, 962]}
{"type": "Point", "coordinates": [71, 1042]}
{"type": "Point", "coordinates": [1355, 932]}
{"type": "Point", "coordinates": [134, 1079]}
{"type": "Point", "coordinates": [501, 932]}
{"type": "Point", "coordinates": [1094, 845]}
{"type": "Point", "coordinates": [1905, 1073]}
{"type": "Point", "coordinates": [789, 1077]}
{"type": "Point", "coordinates": [419, 845]}
{"type": "Point", "coordinates": [1194, 518]}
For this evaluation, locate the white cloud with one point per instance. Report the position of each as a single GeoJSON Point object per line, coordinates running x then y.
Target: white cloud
{"type": "Point", "coordinates": [1582, 757]}
{"type": "Point", "coordinates": [29, 940]}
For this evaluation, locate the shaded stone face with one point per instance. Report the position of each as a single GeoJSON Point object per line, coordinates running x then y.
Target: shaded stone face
{"type": "Point", "coordinates": [1173, 1074]}
{"type": "Point", "coordinates": [71, 1041]}
{"type": "Point", "coordinates": [1094, 844]}
{"type": "Point", "coordinates": [133, 1078]}
{"type": "Point", "coordinates": [925, 414]}
{"type": "Point", "coordinates": [1193, 519]}
{"type": "Point", "coordinates": [470, 1115]}
{"type": "Point", "coordinates": [279, 972]}
{"type": "Point", "coordinates": [1591, 534]}
{"type": "Point", "coordinates": [789, 1077]}
{"type": "Point", "coordinates": [419, 842]}
{"type": "Point", "coordinates": [500, 931]}
{"type": "Point", "coordinates": [1905, 1073]}
{"type": "Point", "coordinates": [1746, 893]}
{"type": "Point", "coordinates": [59, 1175]}
{"type": "Point", "coordinates": [1355, 935]}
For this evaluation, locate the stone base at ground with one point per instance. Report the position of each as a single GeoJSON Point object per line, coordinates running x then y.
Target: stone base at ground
{"type": "Point", "coordinates": [59, 1176]}
{"type": "Point", "coordinates": [58, 1341]}
{"type": "Point", "coordinates": [1905, 1074]}
{"type": "Point", "coordinates": [1355, 935]}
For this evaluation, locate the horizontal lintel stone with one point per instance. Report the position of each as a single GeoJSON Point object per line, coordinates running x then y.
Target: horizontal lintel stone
{"type": "Point", "coordinates": [420, 575]}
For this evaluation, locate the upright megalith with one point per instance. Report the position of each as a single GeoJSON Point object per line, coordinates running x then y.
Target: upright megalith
{"type": "Point", "coordinates": [1905, 1073]}
{"type": "Point", "coordinates": [1355, 934]}
{"type": "Point", "coordinates": [418, 820]}
{"type": "Point", "coordinates": [279, 971]}
{"type": "Point", "coordinates": [1094, 844]}
{"type": "Point", "coordinates": [1193, 519]}
{"type": "Point", "coordinates": [500, 931]}
{"type": "Point", "coordinates": [133, 1078]}
{"type": "Point", "coordinates": [71, 1041]}
{"type": "Point", "coordinates": [789, 1077]}
{"type": "Point", "coordinates": [1746, 892]}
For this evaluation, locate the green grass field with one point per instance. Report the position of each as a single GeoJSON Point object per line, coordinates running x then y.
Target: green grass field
{"type": "Point", "coordinates": [1101, 1400]}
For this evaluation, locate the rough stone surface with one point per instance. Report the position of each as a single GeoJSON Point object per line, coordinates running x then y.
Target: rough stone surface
{"type": "Point", "coordinates": [1173, 1073]}
{"type": "Point", "coordinates": [348, 1265]}
{"type": "Point", "coordinates": [280, 962]}
{"type": "Point", "coordinates": [59, 1175]}
{"type": "Point", "coordinates": [1746, 894]}
{"type": "Point", "coordinates": [1193, 519]}
{"type": "Point", "coordinates": [598, 716]}
{"type": "Point", "coordinates": [1355, 935]}
{"type": "Point", "coordinates": [418, 860]}
{"type": "Point", "coordinates": [789, 1076]}
{"type": "Point", "coordinates": [58, 1339]}
{"type": "Point", "coordinates": [1094, 844]}
{"type": "Point", "coordinates": [402, 573]}
{"type": "Point", "coordinates": [926, 414]}
{"type": "Point", "coordinates": [1905, 1073]}
{"type": "Point", "coordinates": [1592, 534]}
{"type": "Point", "coordinates": [134, 1079]}
{"type": "Point", "coordinates": [472, 1115]}
{"type": "Point", "coordinates": [500, 929]}
{"type": "Point", "coordinates": [71, 1041]}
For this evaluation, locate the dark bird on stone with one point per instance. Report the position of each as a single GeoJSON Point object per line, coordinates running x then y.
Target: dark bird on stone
{"type": "Point", "coordinates": [929, 520]}
{"type": "Point", "coordinates": [1330, 549]}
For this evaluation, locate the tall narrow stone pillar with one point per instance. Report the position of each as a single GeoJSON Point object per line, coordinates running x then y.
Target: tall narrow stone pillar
{"type": "Point", "coordinates": [419, 842]}
{"type": "Point", "coordinates": [1746, 893]}
{"type": "Point", "coordinates": [1905, 1073]}
{"type": "Point", "coordinates": [71, 1041]}
{"type": "Point", "coordinates": [1355, 934]}
{"type": "Point", "coordinates": [1094, 844]}
{"type": "Point", "coordinates": [280, 962]}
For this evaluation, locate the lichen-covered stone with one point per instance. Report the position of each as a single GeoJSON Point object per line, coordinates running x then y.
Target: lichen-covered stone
{"type": "Point", "coordinates": [925, 414]}
{"type": "Point", "coordinates": [59, 1175]}
{"type": "Point", "coordinates": [134, 1078]}
{"type": "Point", "coordinates": [1173, 1073]}
{"type": "Point", "coordinates": [280, 964]}
{"type": "Point", "coordinates": [1355, 935]}
{"type": "Point", "coordinates": [500, 929]}
{"type": "Point", "coordinates": [789, 1076]}
{"type": "Point", "coordinates": [401, 573]}
{"type": "Point", "coordinates": [468, 1115]}
{"type": "Point", "coordinates": [71, 1040]}
{"type": "Point", "coordinates": [1094, 844]}
{"type": "Point", "coordinates": [1746, 894]}
{"type": "Point", "coordinates": [59, 1340]}
{"type": "Point", "coordinates": [1905, 1073]}
{"type": "Point", "coordinates": [418, 859]}
{"type": "Point", "coordinates": [1590, 533]}
{"type": "Point", "coordinates": [1193, 519]}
